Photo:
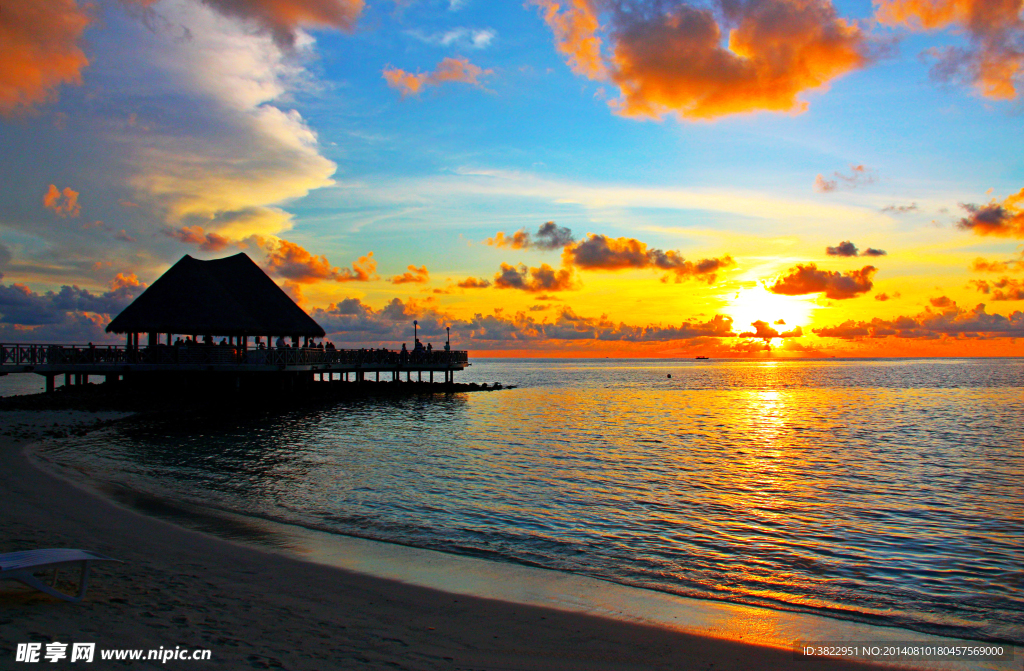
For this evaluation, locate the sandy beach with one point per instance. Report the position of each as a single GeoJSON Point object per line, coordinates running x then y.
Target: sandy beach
{"type": "Point", "coordinates": [255, 609]}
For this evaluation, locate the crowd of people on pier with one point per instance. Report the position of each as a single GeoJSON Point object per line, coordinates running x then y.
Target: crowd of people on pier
{"type": "Point", "coordinates": [205, 349]}
{"type": "Point", "coordinates": [267, 349]}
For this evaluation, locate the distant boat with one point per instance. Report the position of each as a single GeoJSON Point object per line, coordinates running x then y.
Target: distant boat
{"type": "Point", "coordinates": [702, 357]}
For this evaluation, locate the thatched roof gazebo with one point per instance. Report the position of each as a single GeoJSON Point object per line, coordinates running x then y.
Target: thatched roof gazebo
{"type": "Point", "coordinates": [229, 297]}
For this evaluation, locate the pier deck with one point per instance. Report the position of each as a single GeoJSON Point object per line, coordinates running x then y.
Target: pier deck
{"type": "Point", "coordinates": [77, 362]}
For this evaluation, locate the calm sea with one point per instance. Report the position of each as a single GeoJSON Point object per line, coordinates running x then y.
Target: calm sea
{"type": "Point", "coordinates": [883, 491]}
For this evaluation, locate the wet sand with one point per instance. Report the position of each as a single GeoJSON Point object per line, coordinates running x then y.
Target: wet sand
{"type": "Point", "coordinates": [257, 609]}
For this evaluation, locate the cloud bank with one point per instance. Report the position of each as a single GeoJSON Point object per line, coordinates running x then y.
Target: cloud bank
{"type": "Point", "coordinates": [931, 324]}
{"type": "Point", "coordinates": [355, 322]}
{"type": "Point", "coordinates": [68, 315]}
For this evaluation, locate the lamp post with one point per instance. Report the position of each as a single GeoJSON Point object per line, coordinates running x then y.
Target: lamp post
{"type": "Point", "coordinates": [448, 330]}
{"type": "Point", "coordinates": [415, 325]}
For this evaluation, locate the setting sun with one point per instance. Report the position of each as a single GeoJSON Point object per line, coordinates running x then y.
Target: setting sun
{"type": "Point", "coordinates": [758, 304]}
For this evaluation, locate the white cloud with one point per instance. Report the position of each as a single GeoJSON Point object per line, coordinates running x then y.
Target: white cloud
{"type": "Point", "coordinates": [465, 38]}
{"type": "Point", "coordinates": [188, 119]}
{"type": "Point", "coordinates": [237, 155]}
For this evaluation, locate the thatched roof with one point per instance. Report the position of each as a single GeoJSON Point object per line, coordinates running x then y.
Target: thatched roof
{"type": "Point", "coordinates": [230, 296]}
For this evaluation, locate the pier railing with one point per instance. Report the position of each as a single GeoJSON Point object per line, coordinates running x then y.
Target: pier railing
{"type": "Point", "coordinates": [37, 355]}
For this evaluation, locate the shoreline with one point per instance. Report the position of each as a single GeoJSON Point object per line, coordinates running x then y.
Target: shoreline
{"type": "Point", "coordinates": [492, 578]}
{"type": "Point", "coordinates": [733, 635]}
{"type": "Point", "coordinates": [519, 584]}
{"type": "Point", "coordinates": [184, 588]}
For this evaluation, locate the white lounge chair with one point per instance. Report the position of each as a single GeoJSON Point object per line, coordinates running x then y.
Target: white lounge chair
{"type": "Point", "coordinates": [21, 566]}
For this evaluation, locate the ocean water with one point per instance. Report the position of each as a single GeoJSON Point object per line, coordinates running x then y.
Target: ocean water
{"type": "Point", "coordinates": [882, 491]}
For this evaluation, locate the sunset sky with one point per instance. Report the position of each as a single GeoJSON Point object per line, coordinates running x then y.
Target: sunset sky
{"type": "Point", "coordinates": [554, 178]}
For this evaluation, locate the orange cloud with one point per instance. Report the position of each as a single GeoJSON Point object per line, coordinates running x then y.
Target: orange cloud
{"type": "Point", "coordinates": [294, 291]}
{"type": "Point", "coordinates": [540, 279]}
{"type": "Point", "coordinates": [1003, 219]}
{"type": "Point", "coordinates": [194, 235]}
{"type": "Point", "coordinates": [291, 262]}
{"type": "Point", "coordinates": [1005, 289]}
{"type": "Point", "coordinates": [599, 252]}
{"type": "Point", "coordinates": [518, 240]}
{"type": "Point", "coordinates": [122, 281]}
{"type": "Point", "coordinates": [126, 287]}
{"type": "Point", "coordinates": [448, 70]}
{"type": "Point", "coordinates": [807, 279]}
{"type": "Point", "coordinates": [63, 203]}
{"type": "Point", "coordinates": [413, 276]}
{"type": "Point", "coordinates": [474, 283]}
{"type": "Point", "coordinates": [39, 50]}
{"type": "Point", "coordinates": [679, 59]}
{"type": "Point", "coordinates": [822, 185]}
{"type": "Point", "coordinates": [283, 18]}
{"type": "Point", "coordinates": [680, 62]}
{"type": "Point", "coordinates": [575, 26]}
{"type": "Point", "coordinates": [981, 265]}
{"type": "Point", "coordinates": [993, 63]}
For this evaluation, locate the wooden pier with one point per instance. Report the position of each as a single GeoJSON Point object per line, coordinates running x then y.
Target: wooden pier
{"type": "Point", "coordinates": [234, 300]}
{"type": "Point", "coordinates": [238, 366]}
